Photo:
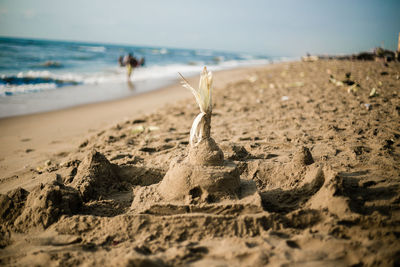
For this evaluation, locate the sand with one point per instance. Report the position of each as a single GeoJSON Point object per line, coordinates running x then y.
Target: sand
{"type": "Point", "coordinates": [314, 154]}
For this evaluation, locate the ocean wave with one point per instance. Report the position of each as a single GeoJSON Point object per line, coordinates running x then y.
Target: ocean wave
{"type": "Point", "coordinates": [161, 51]}
{"type": "Point", "coordinates": [93, 48]}
{"type": "Point", "coordinates": [45, 75]}
{"type": "Point", "coordinates": [8, 90]}
{"type": "Point", "coordinates": [15, 80]}
{"type": "Point", "coordinates": [34, 81]}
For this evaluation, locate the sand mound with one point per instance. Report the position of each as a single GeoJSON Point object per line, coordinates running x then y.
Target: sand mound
{"type": "Point", "coordinates": [302, 157]}
{"type": "Point", "coordinates": [269, 175]}
{"type": "Point", "coordinates": [11, 205]}
{"type": "Point", "coordinates": [96, 177]}
{"type": "Point", "coordinates": [206, 153]}
{"type": "Point", "coordinates": [201, 177]}
{"type": "Point", "coordinates": [210, 184]}
{"type": "Point", "coordinates": [285, 187]}
{"type": "Point", "coordinates": [46, 203]}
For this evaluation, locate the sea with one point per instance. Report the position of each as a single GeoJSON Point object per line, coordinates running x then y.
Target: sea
{"type": "Point", "coordinates": [44, 75]}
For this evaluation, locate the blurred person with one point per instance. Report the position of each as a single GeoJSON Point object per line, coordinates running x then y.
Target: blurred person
{"type": "Point", "coordinates": [131, 63]}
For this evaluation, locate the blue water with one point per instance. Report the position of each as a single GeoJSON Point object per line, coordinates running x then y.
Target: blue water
{"type": "Point", "coordinates": [28, 68]}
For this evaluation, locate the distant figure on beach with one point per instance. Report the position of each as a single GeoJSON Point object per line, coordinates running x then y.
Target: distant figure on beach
{"type": "Point", "coordinates": [131, 63]}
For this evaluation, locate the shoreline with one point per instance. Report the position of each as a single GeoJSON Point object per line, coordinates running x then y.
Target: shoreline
{"type": "Point", "coordinates": [35, 137]}
{"type": "Point", "coordinates": [60, 99]}
{"type": "Point", "coordinates": [84, 94]}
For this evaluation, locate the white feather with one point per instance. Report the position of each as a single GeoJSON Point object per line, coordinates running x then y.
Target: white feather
{"type": "Point", "coordinates": [204, 100]}
{"type": "Point", "coordinates": [196, 132]}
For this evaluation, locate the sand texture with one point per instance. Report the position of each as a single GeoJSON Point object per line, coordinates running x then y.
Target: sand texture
{"type": "Point", "coordinates": [309, 176]}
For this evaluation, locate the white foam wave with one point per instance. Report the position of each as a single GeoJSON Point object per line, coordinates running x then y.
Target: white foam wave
{"type": "Point", "coordinates": [68, 76]}
{"type": "Point", "coordinates": [93, 48]}
{"type": "Point", "coordinates": [118, 75]}
{"type": "Point", "coordinates": [25, 88]}
{"type": "Point", "coordinates": [161, 51]}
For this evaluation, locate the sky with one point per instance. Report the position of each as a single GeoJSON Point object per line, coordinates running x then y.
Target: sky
{"type": "Point", "coordinates": [280, 28]}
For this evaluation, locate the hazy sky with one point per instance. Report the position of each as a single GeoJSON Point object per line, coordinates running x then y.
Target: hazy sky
{"type": "Point", "coordinates": [286, 27]}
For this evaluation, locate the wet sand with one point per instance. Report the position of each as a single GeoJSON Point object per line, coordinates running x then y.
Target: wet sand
{"type": "Point", "coordinates": [318, 160]}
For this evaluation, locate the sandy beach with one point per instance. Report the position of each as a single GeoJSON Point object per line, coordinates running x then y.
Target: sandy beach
{"type": "Point", "coordinates": [315, 147]}
{"type": "Point", "coordinates": [38, 137]}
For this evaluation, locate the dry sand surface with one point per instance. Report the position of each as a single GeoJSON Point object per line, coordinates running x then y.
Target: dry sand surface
{"type": "Point", "coordinates": [310, 175]}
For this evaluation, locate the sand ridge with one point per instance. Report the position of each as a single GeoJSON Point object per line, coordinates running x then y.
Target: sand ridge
{"type": "Point", "coordinates": [319, 177]}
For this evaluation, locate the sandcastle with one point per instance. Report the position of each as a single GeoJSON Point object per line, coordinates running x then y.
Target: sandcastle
{"type": "Point", "coordinates": [202, 177]}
